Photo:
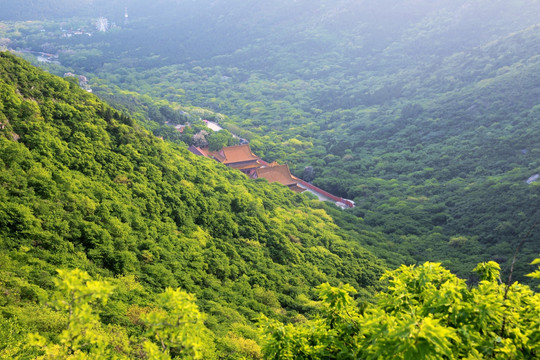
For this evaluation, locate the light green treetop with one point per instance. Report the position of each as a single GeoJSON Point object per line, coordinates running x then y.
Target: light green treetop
{"type": "Point", "coordinates": [425, 313]}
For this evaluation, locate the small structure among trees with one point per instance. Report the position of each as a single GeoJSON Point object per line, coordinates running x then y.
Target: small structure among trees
{"type": "Point", "coordinates": [102, 24]}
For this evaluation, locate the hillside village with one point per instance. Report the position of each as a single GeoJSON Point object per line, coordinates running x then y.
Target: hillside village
{"type": "Point", "coordinates": [241, 157]}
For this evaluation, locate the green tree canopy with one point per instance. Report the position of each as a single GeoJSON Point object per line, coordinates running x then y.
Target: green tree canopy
{"type": "Point", "coordinates": [425, 313]}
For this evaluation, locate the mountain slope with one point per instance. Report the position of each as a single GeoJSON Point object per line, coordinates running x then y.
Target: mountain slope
{"type": "Point", "coordinates": [427, 121]}
{"type": "Point", "coordinates": [422, 112]}
{"type": "Point", "coordinates": [84, 186]}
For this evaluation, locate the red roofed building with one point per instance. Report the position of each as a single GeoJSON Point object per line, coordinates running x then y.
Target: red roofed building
{"type": "Point", "coordinates": [231, 155]}
{"type": "Point", "coordinates": [238, 157]}
{"type": "Point", "coordinates": [241, 158]}
{"type": "Point", "coordinates": [198, 151]}
{"type": "Point", "coordinates": [280, 174]}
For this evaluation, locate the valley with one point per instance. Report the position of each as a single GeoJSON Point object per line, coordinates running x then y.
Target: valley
{"type": "Point", "coordinates": [423, 113]}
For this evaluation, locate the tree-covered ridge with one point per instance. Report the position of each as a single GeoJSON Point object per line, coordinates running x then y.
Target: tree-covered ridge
{"type": "Point", "coordinates": [84, 186]}
{"type": "Point", "coordinates": [423, 112]}
{"type": "Point", "coordinates": [449, 163]}
{"type": "Point", "coordinates": [434, 142]}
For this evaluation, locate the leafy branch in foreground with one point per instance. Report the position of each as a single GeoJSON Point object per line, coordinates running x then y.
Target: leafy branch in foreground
{"type": "Point", "coordinates": [83, 336]}
{"type": "Point", "coordinates": [176, 325]}
{"type": "Point", "coordinates": [425, 313]}
{"type": "Point", "coordinates": [535, 274]}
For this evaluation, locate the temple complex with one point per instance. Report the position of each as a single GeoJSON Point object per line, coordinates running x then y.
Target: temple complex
{"type": "Point", "coordinates": [241, 158]}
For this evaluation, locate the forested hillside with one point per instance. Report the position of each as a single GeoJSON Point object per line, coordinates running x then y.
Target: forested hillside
{"type": "Point", "coordinates": [107, 232]}
{"type": "Point", "coordinates": [82, 185]}
{"type": "Point", "coordinates": [425, 313]}
{"type": "Point", "coordinates": [425, 113]}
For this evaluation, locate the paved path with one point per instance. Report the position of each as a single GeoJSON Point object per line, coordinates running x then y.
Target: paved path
{"type": "Point", "coordinates": [212, 125]}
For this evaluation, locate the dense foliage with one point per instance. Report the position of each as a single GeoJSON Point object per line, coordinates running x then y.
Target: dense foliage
{"type": "Point", "coordinates": [426, 313]}
{"type": "Point", "coordinates": [82, 185]}
{"type": "Point", "coordinates": [176, 324]}
{"type": "Point", "coordinates": [423, 112]}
